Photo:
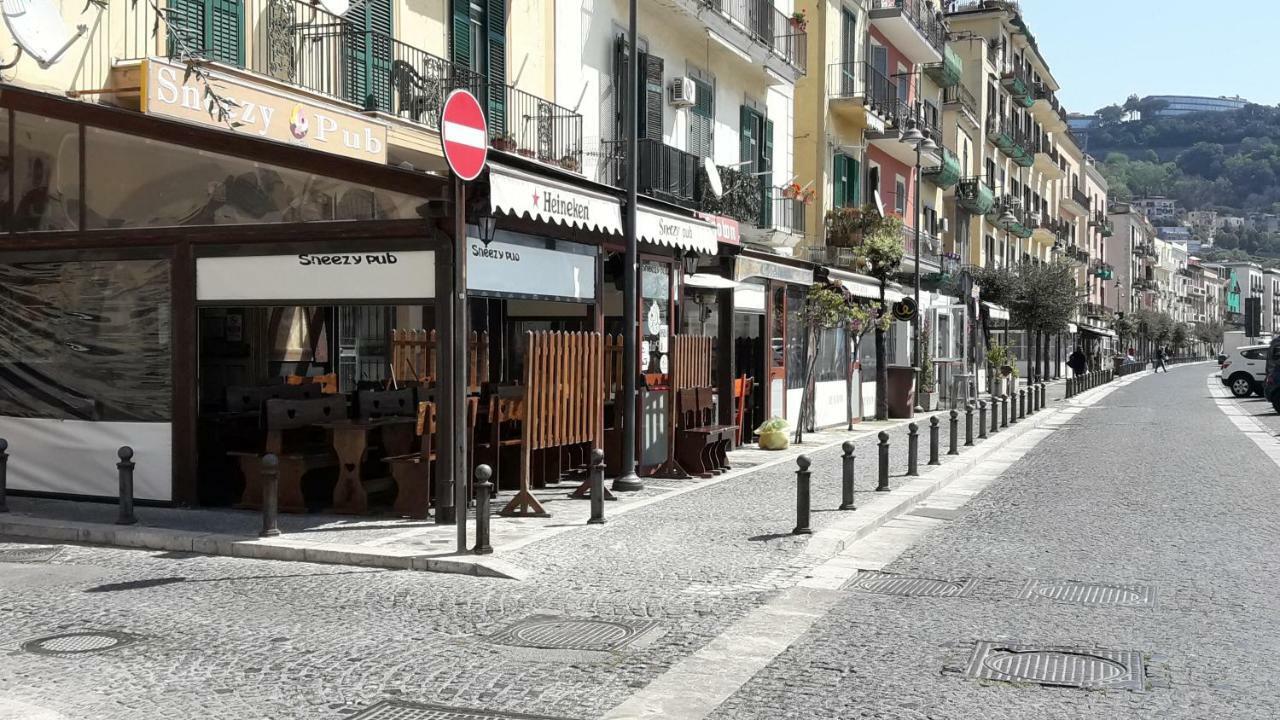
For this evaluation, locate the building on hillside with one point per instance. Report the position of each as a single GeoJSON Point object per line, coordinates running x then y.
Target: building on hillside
{"type": "Point", "coordinates": [1157, 208]}
{"type": "Point", "coordinates": [1206, 219]}
{"type": "Point", "coordinates": [1133, 242]}
{"type": "Point", "coordinates": [1263, 222]}
{"type": "Point", "coordinates": [1231, 222]}
{"type": "Point", "coordinates": [1175, 234]}
{"type": "Point", "coordinates": [1187, 104]}
{"type": "Point", "coordinates": [1252, 283]}
{"type": "Point", "coordinates": [1097, 311]}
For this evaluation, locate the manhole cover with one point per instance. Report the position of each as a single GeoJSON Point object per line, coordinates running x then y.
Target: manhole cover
{"type": "Point", "coordinates": [1096, 594]}
{"type": "Point", "coordinates": [886, 584]}
{"type": "Point", "coordinates": [1059, 666]}
{"type": "Point", "coordinates": [401, 710]}
{"type": "Point", "coordinates": [561, 633]}
{"type": "Point", "coordinates": [39, 554]}
{"type": "Point", "coordinates": [79, 643]}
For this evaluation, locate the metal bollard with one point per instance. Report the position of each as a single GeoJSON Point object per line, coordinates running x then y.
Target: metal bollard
{"type": "Point", "coordinates": [995, 415]}
{"type": "Point", "coordinates": [270, 495]}
{"type": "Point", "coordinates": [953, 444]}
{"type": "Point", "coordinates": [1044, 395]}
{"type": "Point", "coordinates": [847, 460]}
{"type": "Point", "coordinates": [484, 493]}
{"type": "Point", "coordinates": [982, 419]}
{"type": "Point", "coordinates": [802, 497]}
{"type": "Point", "coordinates": [4, 474]}
{"type": "Point", "coordinates": [934, 427]}
{"type": "Point", "coordinates": [597, 487]}
{"type": "Point", "coordinates": [1004, 411]}
{"type": "Point", "coordinates": [1013, 407]}
{"type": "Point", "coordinates": [913, 449]}
{"type": "Point", "coordinates": [125, 466]}
{"type": "Point", "coordinates": [1022, 404]}
{"type": "Point", "coordinates": [882, 483]}
{"type": "Point", "coordinates": [968, 424]}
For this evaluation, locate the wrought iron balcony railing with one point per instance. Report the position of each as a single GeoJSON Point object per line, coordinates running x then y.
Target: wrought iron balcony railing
{"type": "Point", "coordinates": [1081, 198]}
{"type": "Point", "coordinates": [861, 80]}
{"type": "Point", "coordinates": [768, 26]}
{"type": "Point", "coordinates": [960, 95]}
{"type": "Point", "coordinates": [975, 195]}
{"type": "Point", "coordinates": [779, 212]}
{"type": "Point", "coordinates": [929, 22]}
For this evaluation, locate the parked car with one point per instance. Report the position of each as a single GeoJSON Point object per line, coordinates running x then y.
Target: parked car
{"type": "Point", "coordinates": [1245, 370]}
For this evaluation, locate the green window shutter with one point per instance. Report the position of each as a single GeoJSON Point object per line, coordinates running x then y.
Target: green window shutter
{"type": "Point", "coordinates": [461, 46]}
{"type": "Point", "coordinates": [766, 179]}
{"type": "Point", "coordinates": [225, 32]}
{"type": "Point", "coordinates": [367, 39]}
{"type": "Point", "coordinates": [495, 26]}
{"type": "Point", "coordinates": [651, 69]}
{"type": "Point", "coordinates": [701, 120]}
{"type": "Point", "coordinates": [748, 139]}
{"type": "Point", "coordinates": [381, 32]}
{"type": "Point", "coordinates": [620, 104]}
{"type": "Point", "coordinates": [839, 180]}
{"type": "Point", "coordinates": [853, 184]}
{"type": "Point", "coordinates": [186, 26]}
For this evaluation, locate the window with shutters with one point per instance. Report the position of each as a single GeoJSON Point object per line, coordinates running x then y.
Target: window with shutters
{"type": "Point", "coordinates": [702, 118]}
{"type": "Point", "coordinates": [846, 181]}
{"type": "Point", "coordinates": [212, 29]}
{"type": "Point", "coordinates": [479, 55]}
{"type": "Point", "coordinates": [900, 195]}
{"type": "Point", "coordinates": [367, 33]}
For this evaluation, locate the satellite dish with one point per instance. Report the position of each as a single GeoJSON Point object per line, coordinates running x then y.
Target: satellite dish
{"type": "Point", "coordinates": [37, 28]}
{"type": "Point", "coordinates": [713, 177]}
{"type": "Point", "coordinates": [337, 7]}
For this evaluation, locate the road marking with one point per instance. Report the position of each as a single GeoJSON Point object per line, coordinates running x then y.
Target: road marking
{"type": "Point", "coordinates": [1245, 421]}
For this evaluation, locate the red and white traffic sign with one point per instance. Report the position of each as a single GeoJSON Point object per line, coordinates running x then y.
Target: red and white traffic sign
{"type": "Point", "coordinates": [464, 134]}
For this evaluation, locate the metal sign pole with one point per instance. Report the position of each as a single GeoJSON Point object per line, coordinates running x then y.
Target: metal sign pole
{"type": "Point", "coordinates": [458, 350]}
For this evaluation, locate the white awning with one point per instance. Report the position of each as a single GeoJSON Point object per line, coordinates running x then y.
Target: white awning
{"type": "Point", "coordinates": [524, 194]}
{"type": "Point", "coordinates": [663, 228]}
{"type": "Point", "coordinates": [863, 286]}
{"type": "Point", "coordinates": [709, 281]}
{"type": "Point", "coordinates": [1103, 332]}
{"type": "Point", "coordinates": [995, 311]}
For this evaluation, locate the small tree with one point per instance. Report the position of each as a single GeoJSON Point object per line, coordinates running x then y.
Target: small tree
{"type": "Point", "coordinates": [863, 318]}
{"type": "Point", "coordinates": [1178, 337]}
{"type": "Point", "coordinates": [825, 307]}
{"type": "Point", "coordinates": [1045, 301]}
{"type": "Point", "coordinates": [1210, 333]}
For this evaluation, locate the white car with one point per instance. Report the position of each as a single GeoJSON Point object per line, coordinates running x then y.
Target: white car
{"type": "Point", "coordinates": [1244, 370]}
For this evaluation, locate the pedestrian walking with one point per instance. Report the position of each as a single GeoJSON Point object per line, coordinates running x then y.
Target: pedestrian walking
{"type": "Point", "coordinates": [1162, 354]}
{"type": "Point", "coordinates": [1077, 362]}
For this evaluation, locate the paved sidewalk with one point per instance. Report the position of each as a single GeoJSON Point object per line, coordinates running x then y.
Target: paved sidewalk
{"type": "Point", "coordinates": [396, 543]}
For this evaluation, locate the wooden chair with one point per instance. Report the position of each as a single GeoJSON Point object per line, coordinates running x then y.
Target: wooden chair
{"type": "Point", "coordinates": [701, 445]}
{"type": "Point", "coordinates": [412, 473]}
{"type": "Point", "coordinates": [374, 404]}
{"type": "Point", "coordinates": [327, 384]}
{"type": "Point", "coordinates": [297, 443]}
{"type": "Point", "coordinates": [742, 388]}
{"type": "Point", "coordinates": [506, 427]}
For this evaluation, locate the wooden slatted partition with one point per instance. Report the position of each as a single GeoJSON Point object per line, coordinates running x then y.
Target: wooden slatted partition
{"type": "Point", "coordinates": [565, 390]}
{"type": "Point", "coordinates": [414, 357]}
{"type": "Point", "coordinates": [691, 364]}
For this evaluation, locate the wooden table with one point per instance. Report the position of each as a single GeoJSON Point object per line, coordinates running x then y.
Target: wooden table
{"type": "Point", "coordinates": [350, 440]}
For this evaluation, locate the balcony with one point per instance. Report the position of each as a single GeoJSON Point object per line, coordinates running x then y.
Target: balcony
{"type": "Point", "coordinates": [672, 175]}
{"type": "Point", "coordinates": [1076, 203]}
{"type": "Point", "coordinates": [975, 195]}
{"type": "Point", "coordinates": [930, 251]}
{"type": "Point", "coordinates": [959, 99]}
{"type": "Point", "coordinates": [765, 28]}
{"type": "Point", "coordinates": [780, 221]}
{"type": "Point", "coordinates": [946, 174]}
{"type": "Point", "coordinates": [861, 94]}
{"type": "Point", "coordinates": [1020, 226]}
{"type": "Point", "coordinates": [947, 73]}
{"type": "Point", "coordinates": [295, 46]}
{"type": "Point", "coordinates": [1046, 159]}
{"type": "Point", "coordinates": [890, 138]}
{"type": "Point", "coordinates": [839, 257]}
{"type": "Point", "coordinates": [916, 30]}
{"type": "Point", "coordinates": [1015, 80]}
{"type": "Point", "coordinates": [1047, 110]}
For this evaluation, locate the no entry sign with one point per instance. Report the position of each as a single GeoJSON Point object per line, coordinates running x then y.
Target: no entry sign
{"type": "Point", "coordinates": [464, 134]}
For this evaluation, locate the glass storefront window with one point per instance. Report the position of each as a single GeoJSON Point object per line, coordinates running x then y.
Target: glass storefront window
{"type": "Point", "coordinates": [178, 186]}
{"type": "Point", "coordinates": [833, 354]}
{"type": "Point", "coordinates": [796, 342]}
{"type": "Point", "coordinates": [86, 340]}
{"type": "Point", "coordinates": [46, 174]}
{"type": "Point", "coordinates": [655, 317]}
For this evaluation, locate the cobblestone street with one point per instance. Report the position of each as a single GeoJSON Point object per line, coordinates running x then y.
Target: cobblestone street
{"type": "Point", "coordinates": [1146, 483]}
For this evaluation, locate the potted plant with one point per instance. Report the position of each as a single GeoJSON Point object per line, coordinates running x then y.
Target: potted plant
{"type": "Point", "coordinates": [928, 379]}
{"type": "Point", "coordinates": [504, 142]}
{"type": "Point", "coordinates": [773, 434]}
{"type": "Point", "coordinates": [799, 21]}
{"type": "Point", "coordinates": [570, 163]}
{"type": "Point", "coordinates": [997, 358]}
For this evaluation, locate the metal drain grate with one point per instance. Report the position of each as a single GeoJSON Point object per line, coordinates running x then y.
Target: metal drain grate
{"type": "Point", "coordinates": [38, 554]}
{"type": "Point", "coordinates": [401, 710]}
{"type": "Point", "coordinates": [1090, 668]}
{"type": "Point", "coordinates": [79, 643]}
{"type": "Point", "coordinates": [887, 584]}
{"type": "Point", "coordinates": [561, 633]}
{"type": "Point", "coordinates": [1095, 594]}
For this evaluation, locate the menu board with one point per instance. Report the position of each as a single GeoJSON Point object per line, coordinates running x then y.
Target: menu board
{"type": "Point", "coordinates": [655, 322]}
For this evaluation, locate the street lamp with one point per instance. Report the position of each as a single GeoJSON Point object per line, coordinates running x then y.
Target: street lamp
{"type": "Point", "coordinates": [627, 479]}
{"type": "Point", "coordinates": [923, 144]}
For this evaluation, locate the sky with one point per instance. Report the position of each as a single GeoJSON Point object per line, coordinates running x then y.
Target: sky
{"type": "Point", "coordinates": [1102, 51]}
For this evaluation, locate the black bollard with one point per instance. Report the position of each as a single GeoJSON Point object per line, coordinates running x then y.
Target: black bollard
{"type": "Point", "coordinates": [270, 495]}
{"type": "Point", "coordinates": [1004, 411]}
{"type": "Point", "coordinates": [995, 415]}
{"type": "Point", "coordinates": [1022, 404]}
{"type": "Point", "coordinates": [968, 424]}
{"type": "Point", "coordinates": [1044, 395]}
{"type": "Point", "coordinates": [982, 419]}
{"type": "Point", "coordinates": [882, 483]}
{"type": "Point", "coordinates": [1070, 383]}
{"type": "Point", "coordinates": [847, 460]}
{"type": "Point", "coordinates": [953, 443]}
{"type": "Point", "coordinates": [913, 449]}
{"type": "Point", "coordinates": [484, 492]}
{"type": "Point", "coordinates": [934, 427]}
{"type": "Point", "coordinates": [125, 466]}
{"type": "Point", "coordinates": [597, 487]}
{"type": "Point", "coordinates": [802, 497]}
{"type": "Point", "coordinates": [4, 474]}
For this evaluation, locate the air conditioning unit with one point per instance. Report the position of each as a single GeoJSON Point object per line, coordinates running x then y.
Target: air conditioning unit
{"type": "Point", "coordinates": [684, 93]}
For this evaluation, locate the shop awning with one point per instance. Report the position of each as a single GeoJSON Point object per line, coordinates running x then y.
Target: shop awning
{"type": "Point", "coordinates": [1100, 332]}
{"type": "Point", "coordinates": [664, 228]}
{"type": "Point", "coordinates": [995, 311]}
{"type": "Point", "coordinates": [523, 194]}
{"type": "Point", "coordinates": [709, 281]}
{"type": "Point", "coordinates": [750, 264]}
{"type": "Point", "coordinates": [863, 286]}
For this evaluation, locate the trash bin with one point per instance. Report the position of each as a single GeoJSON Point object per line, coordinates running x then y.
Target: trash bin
{"type": "Point", "coordinates": [902, 391]}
